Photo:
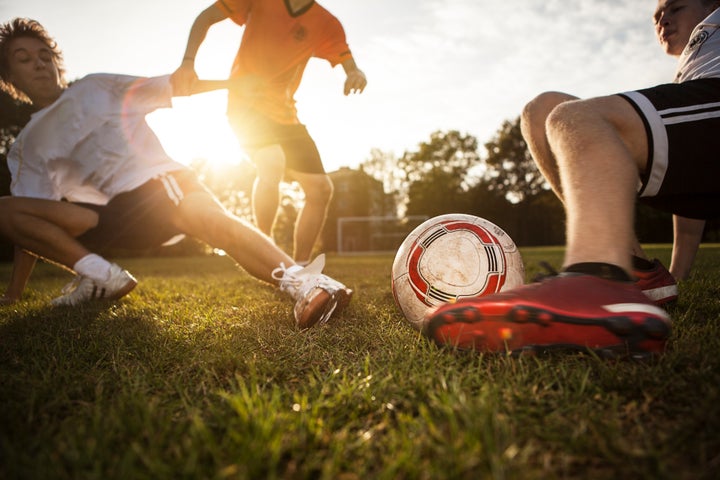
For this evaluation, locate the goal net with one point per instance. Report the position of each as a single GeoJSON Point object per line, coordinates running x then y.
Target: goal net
{"type": "Point", "coordinates": [374, 234]}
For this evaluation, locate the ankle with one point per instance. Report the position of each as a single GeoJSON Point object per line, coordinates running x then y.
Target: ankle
{"type": "Point", "coordinates": [607, 271]}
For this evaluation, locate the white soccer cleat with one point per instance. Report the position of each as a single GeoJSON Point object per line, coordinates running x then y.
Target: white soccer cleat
{"type": "Point", "coordinates": [317, 296]}
{"type": "Point", "coordinates": [84, 289]}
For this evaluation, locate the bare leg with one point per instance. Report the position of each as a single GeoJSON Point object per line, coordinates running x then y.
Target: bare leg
{"type": "Point", "coordinates": [600, 146]}
{"type": "Point", "coordinates": [533, 126]}
{"type": "Point", "coordinates": [46, 228]}
{"type": "Point", "coordinates": [23, 264]}
{"type": "Point", "coordinates": [202, 217]}
{"type": "Point", "coordinates": [688, 235]}
{"type": "Point", "coordinates": [318, 189]}
{"type": "Point", "coordinates": [270, 165]}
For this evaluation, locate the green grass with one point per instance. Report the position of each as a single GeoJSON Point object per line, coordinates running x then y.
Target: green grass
{"type": "Point", "coordinates": [200, 373]}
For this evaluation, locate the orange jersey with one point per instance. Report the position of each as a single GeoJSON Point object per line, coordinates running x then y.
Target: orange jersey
{"type": "Point", "coordinates": [275, 48]}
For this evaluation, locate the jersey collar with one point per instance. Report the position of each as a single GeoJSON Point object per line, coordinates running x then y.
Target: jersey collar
{"type": "Point", "coordinates": [299, 12]}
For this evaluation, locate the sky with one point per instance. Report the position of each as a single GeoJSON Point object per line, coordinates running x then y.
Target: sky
{"type": "Point", "coordinates": [431, 65]}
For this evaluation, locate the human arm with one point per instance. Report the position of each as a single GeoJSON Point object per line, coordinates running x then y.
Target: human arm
{"type": "Point", "coordinates": [185, 76]}
{"type": "Point", "coordinates": [355, 81]}
{"type": "Point", "coordinates": [686, 240]}
{"type": "Point", "coordinates": [23, 265]}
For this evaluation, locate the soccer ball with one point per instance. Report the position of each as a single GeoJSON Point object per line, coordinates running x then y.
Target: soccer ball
{"type": "Point", "coordinates": [450, 257]}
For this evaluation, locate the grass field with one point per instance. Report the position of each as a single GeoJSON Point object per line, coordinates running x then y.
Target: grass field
{"type": "Point", "coordinates": [200, 373]}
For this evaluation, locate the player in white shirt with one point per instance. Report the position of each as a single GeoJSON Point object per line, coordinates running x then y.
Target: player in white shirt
{"type": "Point", "coordinates": [600, 154]}
{"type": "Point", "coordinates": [89, 174]}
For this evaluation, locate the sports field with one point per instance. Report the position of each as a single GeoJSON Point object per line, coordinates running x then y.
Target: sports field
{"type": "Point", "coordinates": [200, 373]}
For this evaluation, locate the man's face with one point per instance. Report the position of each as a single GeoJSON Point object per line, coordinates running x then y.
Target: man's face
{"type": "Point", "coordinates": [33, 69]}
{"type": "Point", "coordinates": [675, 20]}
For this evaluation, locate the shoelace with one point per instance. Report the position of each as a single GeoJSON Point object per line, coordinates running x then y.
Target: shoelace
{"type": "Point", "coordinates": [286, 279]}
{"type": "Point", "coordinates": [279, 272]}
{"type": "Point", "coordinates": [549, 272]}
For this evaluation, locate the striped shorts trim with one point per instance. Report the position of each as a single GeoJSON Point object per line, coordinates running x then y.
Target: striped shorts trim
{"type": "Point", "coordinates": [682, 123]}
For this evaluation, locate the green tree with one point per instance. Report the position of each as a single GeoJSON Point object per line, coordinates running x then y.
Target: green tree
{"type": "Point", "coordinates": [512, 172]}
{"type": "Point", "coordinates": [438, 175]}
{"type": "Point", "coordinates": [383, 167]}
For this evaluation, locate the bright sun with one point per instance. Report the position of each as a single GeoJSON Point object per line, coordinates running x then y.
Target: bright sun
{"type": "Point", "coordinates": [197, 128]}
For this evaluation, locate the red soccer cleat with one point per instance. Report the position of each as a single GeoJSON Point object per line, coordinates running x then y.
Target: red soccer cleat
{"type": "Point", "coordinates": [657, 283]}
{"type": "Point", "coordinates": [568, 311]}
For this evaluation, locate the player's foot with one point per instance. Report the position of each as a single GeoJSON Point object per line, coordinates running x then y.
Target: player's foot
{"type": "Point", "coordinates": [568, 311]}
{"type": "Point", "coordinates": [84, 289]}
{"type": "Point", "coordinates": [317, 296]}
{"type": "Point", "coordinates": [656, 282]}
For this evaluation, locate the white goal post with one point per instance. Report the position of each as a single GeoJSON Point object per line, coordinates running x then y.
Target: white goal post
{"type": "Point", "coordinates": [374, 234]}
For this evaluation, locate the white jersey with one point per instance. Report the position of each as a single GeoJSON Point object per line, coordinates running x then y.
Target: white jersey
{"type": "Point", "coordinates": [93, 142]}
{"type": "Point", "coordinates": [701, 57]}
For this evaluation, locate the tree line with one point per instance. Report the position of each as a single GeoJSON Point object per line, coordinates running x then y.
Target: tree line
{"type": "Point", "coordinates": [447, 173]}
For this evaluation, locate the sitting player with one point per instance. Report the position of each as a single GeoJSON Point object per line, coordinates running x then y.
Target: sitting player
{"type": "Point", "coordinates": [653, 142]}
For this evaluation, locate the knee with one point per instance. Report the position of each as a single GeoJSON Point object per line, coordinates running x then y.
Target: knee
{"type": "Point", "coordinates": [269, 164]}
{"type": "Point", "coordinates": [563, 119]}
{"type": "Point", "coordinates": [535, 114]}
{"type": "Point", "coordinates": [319, 191]}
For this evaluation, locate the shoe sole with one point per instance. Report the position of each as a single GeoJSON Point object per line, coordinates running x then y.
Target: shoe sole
{"type": "Point", "coordinates": [521, 329]}
{"type": "Point", "coordinates": [127, 288]}
{"type": "Point", "coordinates": [337, 302]}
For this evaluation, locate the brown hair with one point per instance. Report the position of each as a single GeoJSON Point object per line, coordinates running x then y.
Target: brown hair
{"type": "Point", "coordinates": [24, 27]}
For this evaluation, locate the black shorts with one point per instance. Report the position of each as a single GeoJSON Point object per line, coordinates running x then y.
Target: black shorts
{"type": "Point", "coordinates": [255, 131]}
{"type": "Point", "coordinates": [141, 218]}
{"type": "Point", "coordinates": [682, 121]}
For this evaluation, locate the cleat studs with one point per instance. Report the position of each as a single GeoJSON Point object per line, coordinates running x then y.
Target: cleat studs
{"type": "Point", "coordinates": [545, 318]}
{"type": "Point", "coordinates": [656, 328]}
{"type": "Point", "coordinates": [448, 317]}
{"type": "Point", "coordinates": [521, 315]}
{"type": "Point", "coordinates": [469, 314]}
{"type": "Point", "coordinates": [620, 325]}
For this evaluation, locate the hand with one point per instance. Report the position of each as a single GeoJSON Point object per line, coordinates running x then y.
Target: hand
{"type": "Point", "coordinates": [183, 80]}
{"type": "Point", "coordinates": [355, 82]}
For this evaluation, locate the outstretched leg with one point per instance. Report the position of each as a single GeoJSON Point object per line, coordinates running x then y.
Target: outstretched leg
{"type": "Point", "coordinates": [317, 296]}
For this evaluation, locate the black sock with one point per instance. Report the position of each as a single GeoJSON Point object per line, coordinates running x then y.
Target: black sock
{"type": "Point", "coordinates": [603, 270]}
{"type": "Point", "coordinates": [640, 263]}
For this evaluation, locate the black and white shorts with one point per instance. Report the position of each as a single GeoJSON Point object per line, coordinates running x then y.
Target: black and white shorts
{"type": "Point", "coordinates": [141, 218]}
{"type": "Point", "coordinates": [682, 121]}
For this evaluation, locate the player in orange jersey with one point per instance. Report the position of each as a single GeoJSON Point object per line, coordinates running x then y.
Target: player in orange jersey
{"type": "Point", "coordinates": [280, 37]}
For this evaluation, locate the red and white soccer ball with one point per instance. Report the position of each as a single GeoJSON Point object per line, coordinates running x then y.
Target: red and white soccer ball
{"type": "Point", "coordinates": [450, 257]}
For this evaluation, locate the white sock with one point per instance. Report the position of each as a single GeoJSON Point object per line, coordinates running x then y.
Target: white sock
{"type": "Point", "coordinates": [93, 266]}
